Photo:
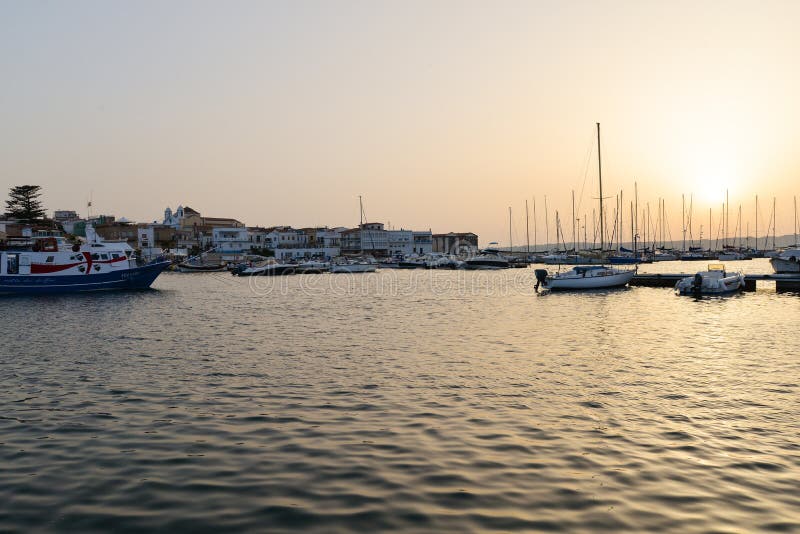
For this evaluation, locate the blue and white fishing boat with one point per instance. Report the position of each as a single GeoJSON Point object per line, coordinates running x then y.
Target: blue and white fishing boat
{"type": "Point", "coordinates": [48, 265]}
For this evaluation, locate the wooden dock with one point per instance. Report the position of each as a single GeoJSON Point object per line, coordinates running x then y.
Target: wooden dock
{"type": "Point", "coordinates": [783, 282]}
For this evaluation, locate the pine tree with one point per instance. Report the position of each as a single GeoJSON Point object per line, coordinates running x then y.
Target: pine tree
{"type": "Point", "coordinates": [24, 203]}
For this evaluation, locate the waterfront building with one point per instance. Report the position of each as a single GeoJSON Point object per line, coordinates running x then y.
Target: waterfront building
{"type": "Point", "coordinates": [423, 242]}
{"type": "Point", "coordinates": [401, 242]}
{"type": "Point", "coordinates": [230, 241]}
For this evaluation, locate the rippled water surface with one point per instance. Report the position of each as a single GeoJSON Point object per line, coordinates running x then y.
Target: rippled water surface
{"type": "Point", "coordinates": [399, 400]}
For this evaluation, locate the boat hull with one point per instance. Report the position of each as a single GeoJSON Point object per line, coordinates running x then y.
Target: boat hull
{"type": "Point", "coordinates": [485, 265]}
{"type": "Point", "coordinates": [134, 278]}
{"type": "Point", "coordinates": [784, 265]}
{"type": "Point", "coordinates": [354, 268]}
{"type": "Point", "coordinates": [574, 283]}
{"type": "Point", "coordinates": [188, 268]}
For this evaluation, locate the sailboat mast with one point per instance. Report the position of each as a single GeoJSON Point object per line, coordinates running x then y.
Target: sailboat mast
{"type": "Point", "coordinates": [574, 245]}
{"type": "Point", "coordinates": [546, 224]}
{"type": "Point", "coordinates": [510, 243]}
{"type": "Point", "coordinates": [527, 230]}
{"type": "Point", "coordinates": [535, 238]}
{"type": "Point", "coordinates": [636, 211]}
{"type": "Point", "coordinates": [756, 223]}
{"type": "Point", "coordinates": [774, 223]}
{"type": "Point", "coordinates": [619, 221]}
{"type": "Point", "coordinates": [739, 224]}
{"type": "Point", "coordinates": [683, 220]}
{"type": "Point", "coordinates": [633, 234]}
{"type": "Point", "coordinates": [600, 180]}
{"type": "Point", "coordinates": [727, 219]}
{"type": "Point", "coordinates": [795, 220]}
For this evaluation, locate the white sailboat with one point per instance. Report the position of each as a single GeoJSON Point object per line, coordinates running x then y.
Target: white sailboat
{"type": "Point", "coordinates": [587, 276]}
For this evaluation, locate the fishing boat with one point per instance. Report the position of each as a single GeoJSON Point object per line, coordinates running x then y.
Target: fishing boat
{"type": "Point", "coordinates": [46, 266]}
{"type": "Point", "coordinates": [715, 281]}
{"type": "Point", "coordinates": [584, 277]}
{"type": "Point", "coordinates": [787, 262]}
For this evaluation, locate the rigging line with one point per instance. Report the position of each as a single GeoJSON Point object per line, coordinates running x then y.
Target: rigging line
{"type": "Point", "coordinates": [586, 170]}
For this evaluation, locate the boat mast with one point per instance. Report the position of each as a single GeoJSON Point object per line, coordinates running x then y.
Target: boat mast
{"type": "Point", "coordinates": [683, 220]}
{"type": "Point", "coordinates": [510, 243]}
{"type": "Point", "coordinates": [527, 230]}
{"type": "Point", "coordinates": [600, 180]}
{"type": "Point", "coordinates": [535, 239]}
{"type": "Point", "coordinates": [739, 224]}
{"type": "Point", "coordinates": [709, 230]}
{"type": "Point", "coordinates": [574, 244]}
{"type": "Point", "coordinates": [774, 223]}
{"type": "Point", "coordinates": [756, 223]}
{"type": "Point", "coordinates": [633, 234]}
{"type": "Point", "coordinates": [727, 219]}
{"type": "Point", "coordinates": [546, 224]}
{"type": "Point", "coordinates": [619, 221]}
{"type": "Point", "coordinates": [635, 211]}
{"type": "Point", "coordinates": [795, 220]}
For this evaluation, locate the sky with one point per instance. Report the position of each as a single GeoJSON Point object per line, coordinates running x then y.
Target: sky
{"type": "Point", "coordinates": [441, 114]}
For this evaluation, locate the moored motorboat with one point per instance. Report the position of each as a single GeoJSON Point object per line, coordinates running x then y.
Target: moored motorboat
{"type": "Point", "coordinates": [353, 265]}
{"type": "Point", "coordinates": [270, 269]}
{"type": "Point", "coordinates": [584, 277]}
{"type": "Point", "coordinates": [715, 281]}
{"type": "Point", "coordinates": [312, 267]}
{"type": "Point", "coordinates": [200, 267]}
{"type": "Point", "coordinates": [489, 258]}
{"type": "Point", "coordinates": [787, 262]}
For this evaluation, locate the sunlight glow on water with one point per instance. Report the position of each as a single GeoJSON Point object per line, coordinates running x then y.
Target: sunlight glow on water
{"type": "Point", "coordinates": [411, 400]}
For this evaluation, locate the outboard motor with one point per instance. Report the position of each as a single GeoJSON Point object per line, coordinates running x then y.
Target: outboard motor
{"type": "Point", "coordinates": [697, 286]}
{"type": "Point", "coordinates": [541, 276]}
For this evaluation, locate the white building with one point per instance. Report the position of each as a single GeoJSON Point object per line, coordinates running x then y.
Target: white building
{"type": "Point", "coordinates": [230, 241]}
{"type": "Point", "coordinates": [423, 242]}
{"type": "Point", "coordinates": [401, 242]}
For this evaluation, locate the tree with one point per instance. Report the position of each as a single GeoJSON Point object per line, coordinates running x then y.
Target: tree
{"type": "Point", "coordinates": [24, 203]}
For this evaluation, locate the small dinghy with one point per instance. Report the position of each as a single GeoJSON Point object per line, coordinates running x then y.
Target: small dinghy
{"type": "Point", "coordinates": [715, 281]}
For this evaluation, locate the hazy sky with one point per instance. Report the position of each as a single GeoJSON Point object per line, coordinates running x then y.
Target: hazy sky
{"type": "Point", "coordinates": [441, 114]}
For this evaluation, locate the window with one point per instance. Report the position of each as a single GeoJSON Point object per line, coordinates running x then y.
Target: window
{"type": "Point", "coordinates": [104, 256]}
{"type": "Point", "coordinates": [95, 256]}
{"type": "Point", "coordinates": [50, 259]}
{"type": "Point", "coordinates": [13, 264]}
{"type": "Point", "coordinates": [114, 255]}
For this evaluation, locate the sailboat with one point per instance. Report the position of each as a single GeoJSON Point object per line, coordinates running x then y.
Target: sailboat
{"type": "Point", "coordinates": [587, 276]}
{"type": "Point", "coordinates": [355, 265]}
